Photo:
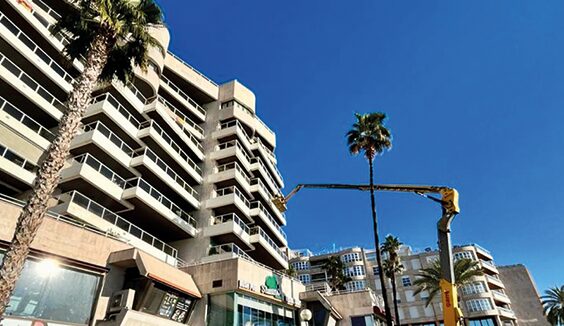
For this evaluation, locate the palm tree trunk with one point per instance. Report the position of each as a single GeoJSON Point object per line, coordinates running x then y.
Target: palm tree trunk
{"type": "Point", "coordinates": [395, 294]}
{"type": "Point", "coordinates": [377, 244]}
{"type": "Point", "coordinates": [47, 179]}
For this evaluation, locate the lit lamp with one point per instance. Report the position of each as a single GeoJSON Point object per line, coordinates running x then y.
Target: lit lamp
{"type": "Point", "coordinates": [305, 316]}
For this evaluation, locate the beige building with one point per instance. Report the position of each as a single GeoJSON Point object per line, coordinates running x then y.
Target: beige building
{"type": "Point", "coordinates": [483, 302]}
{"type": "Point", "coordinates": [172, 173]}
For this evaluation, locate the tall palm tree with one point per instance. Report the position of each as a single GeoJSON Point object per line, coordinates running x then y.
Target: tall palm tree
{"type": "Point", "coordinates": [335, 267]}
{"type": "Point", "coordinates": [369, 135]}
{"type": "Point", "coordinates": [428, 279]}
{"type": "Point", "coordinates": [553, 305]}
{"type": "Point", "coordinates": [113, 36]}
{"type": "Point", "coordinates": [392, 267]}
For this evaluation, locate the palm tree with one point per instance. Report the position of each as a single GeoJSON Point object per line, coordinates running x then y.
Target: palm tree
{"type": "Point", "coordinates": [292, 272]}
{"type": "Point", "coordinates": [428, 279]}
{"type": "Point", "coordinates": [553, 304]}
{"type": "Point", "coordinates": [113, 36]}
{"type": "Point", "coordinates": [335, 270]}
{"type": "Point", "coordinates": [369, 135]}
{"type": "Point", "coordinates": [392, 267]}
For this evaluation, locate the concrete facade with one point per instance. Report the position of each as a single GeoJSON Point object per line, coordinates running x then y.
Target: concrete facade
{"type": "Point", "coordinates": [525, 300]}
{"type": "Point", "coordinates": [173, 165]}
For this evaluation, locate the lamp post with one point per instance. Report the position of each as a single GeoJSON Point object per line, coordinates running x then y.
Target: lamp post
{"type": "Point", "coordinates": [305, 316]}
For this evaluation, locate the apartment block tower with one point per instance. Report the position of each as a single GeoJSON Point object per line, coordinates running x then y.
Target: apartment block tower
{"type": "Point", "coordinates": [483, 301]}
{"type": "Point", "coordinates": [169, 174]}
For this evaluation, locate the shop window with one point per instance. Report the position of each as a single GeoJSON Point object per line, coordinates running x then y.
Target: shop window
{"type": "Point", "coordinates": [167, 304]}
{"type": "Point", "coordinates": [362, 321]}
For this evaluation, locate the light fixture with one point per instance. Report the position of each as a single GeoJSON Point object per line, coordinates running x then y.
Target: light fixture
{"type": "Point", "coordinates": [305, 315]}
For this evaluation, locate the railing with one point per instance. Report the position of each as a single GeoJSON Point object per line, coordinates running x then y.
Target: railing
{"type": "Point", "coordinates": [107, 215]}
{"type": "Point", "coordinates": [183, 118]}
{"type": "Point", "coordinates": [495, 279]}
{"type": "Point", "coordinates": [183, 94]}
{"type": "Point", "coordinates": [260, 206]}
{"type": "Point", "coordinates": [142, 184]}
{"type": "Point", "coordinates": [171, 143]}
{"type": "Point", "coordinates": [61, 37]}
{"type": "Point", "coordinates": [16, 159]}
{"type": "Point", "coordinates": [137, 93]}
{"type": "Point", "coordinates": [115, 103]}
{"type": "Point", "coordinates": [234, 123]}
{"type": "Point", "coordinates": [257, 181]}
{"type": "Point", "coordinates": [192, 68]}
{"type": "Point", "coordinates": [258, 230]}
{"type": "Point", "coordinates": [232, 190]}
{"type": "Point", "coordinates": [321, 287]}
{"type": "Point", "coordinates": [264, 125]}
{"type": "Point", "coordinates": [259, 161]}
{"type": "Point", "coordinates": [232, 217]}
{"type": "Point", "coordinates": [234, 143]}
{"type": "Point", "coordinates": [233, 166]}
{"type": "Point", "coordinates": [26, 40]}
{"type": "Point", "coordinates": [489, 263]}
{"type": "Point", "coordinates": [89, 160]}
{"type": "Point", "coordinates": [47, 9]}
{"type": "Point", "coordinates": [30, 82]}
{"type": "Point", "coordinates": [169, 171]}
{"type": "Point", "coordinates": [498, 292]}
{"type": "Point", "coordinates": [99, 126]}
{"type": "Point", "coordinates": [228, 248]}
{"type": "Point", "coordinates": [25, 119]}
{"type": "Point", "coordinates": [268, 150]}
{"type": "Point", "coordinates": [236, 104]}
{"type": "Point", "coordinates": [506, 310]}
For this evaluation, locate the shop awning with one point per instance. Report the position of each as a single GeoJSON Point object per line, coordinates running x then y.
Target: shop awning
{"type": "Point", "coordinates": [156, 270]}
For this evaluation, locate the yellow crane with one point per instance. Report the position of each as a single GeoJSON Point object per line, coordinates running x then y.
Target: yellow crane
{"type": "Point", "coordinates": [449, 202]}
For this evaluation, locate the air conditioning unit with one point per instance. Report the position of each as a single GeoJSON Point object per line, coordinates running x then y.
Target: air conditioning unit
{"type": "Point", "coordinates": [120, 300]}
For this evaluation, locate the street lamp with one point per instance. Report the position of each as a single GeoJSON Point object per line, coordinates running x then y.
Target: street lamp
{"type": "Point", "coordinates": [305, 316]}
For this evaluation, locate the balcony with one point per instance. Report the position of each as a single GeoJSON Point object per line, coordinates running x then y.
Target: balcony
{"type": "Point", "coordinates": [224, 252]}
{"type": "Point", "coordinates": [102, 142]}
{"type": "Point", "coordinates": [266, 153]}
{"type": "Point", "coordinates": [146, 161]}
{"type": "Point", "coordinates": [31, 89]}
{"type": "Point", "coordinates": [226, 173]}
{"type": "Point", "coordinates": [150, 130]}
{"type": "Point", "coordinates": [234, 110]}
{"type": "Point", "coordinates": [495, 282]}
{"type": "Point", "coordinates": [229, 228]}
{"type": "Point", "coordinates": [183, 98]}
{"type": "Point", "coordinates": [258, 186]}
{"type": "Point", "coordinates": [83, 208]}
{"type": "Point", "coordinates": [489, 266]}
{"type": "Point", "coordinates": [258, 209]}
{"type": "Point", "coordinates": [500, 296]}
{"type": "Point", "coordinates": [34, 54]}
{"type": "Point", "coordinates": [234, 127]}
{"type": "Point", "coordinates": [184, 122]}
{"type": "Point", "coordinates": [189, 73]}
{"type": "Point", "coordinates": [24, 125]}
{"type": "Point", "coordinates": [108, 105]}
{"type": "Point", "coordinates": [266, 250]}
{"type": "Point", "coordinates": [231, 197]}
{"type": "Point", "coordinates": [145, 196]}
{"type": "Point", "coordinates": [506, 313]}
{"type": "Point", "coordinates": [16, 167]}
{"type": "Point", "coordinates": [258, 165]}
{"type": "Point", "coordinates": [87, 174]}
{"type": "Point", "coordinates": [232, 148]}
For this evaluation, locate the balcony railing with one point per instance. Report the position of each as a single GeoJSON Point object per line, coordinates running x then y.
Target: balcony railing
{"type": "Point", "coordinates": [235, 143]}
{"type": "Point", "coordinates": [182, 94]}
{"type": "Point", "coordinates": [258, 230]}
{"type": "Point", "coordinates": [91, 161]}
{"type": "Point", "coordinates": [264, 125]}
{"type": "Point", "coordinates": [100, 127]}
{"type": "Point", "coordinates": [235, 191]}
{"type": "Point", "coordinates": [47, 9]}
{"type": "Point", "coordinates": [181, 118]}
{"type": "Point", "coordinates": [18, 160]}
{"type": "Point", "coordinates": [236, 123]}
{"type": "Point", "coordinates": [257, 181]}
{"type": "Point", "coordinates": [15, 113]}
{"type": "Point", "coordinates": [160, 131]}
{"type": "Point", "coordinates": [321, 287]}
{"type": "Point", "coordinates": [234, 166]}
{"type": "Point", "coordinates": [26, 40]}
{"type": "Point", "coordinates": [260, 206]}
{"type": "Point", "coordinates": [192, 68]}
{"type": "Point", "coordinates": [142, 184]}
{"type": "Point", "coordinates": [30, 82]}
{"type": "Point", "coordinates": [115, 103]}
{"type": "Point", "coordinates": [232, 217]}
{"type": "Point", "coordinates": [107, 215]}
{"type": "Point", "coordinates": [493, 278]}
{"type": "Point", "coordinates": [228, 248]}
{"type": "Point", "coordinates": [261, 164]}
{"type": "Point", "coordinates": [506, 310]}
{"type": "Point", "coordinates": [267, 150]}
{"type": "Point", "coordinates": [489, 263]}
{"type": "Point", "coordinates": [500, 293]}
{"type": "Point", "coordinates": [168, 170]}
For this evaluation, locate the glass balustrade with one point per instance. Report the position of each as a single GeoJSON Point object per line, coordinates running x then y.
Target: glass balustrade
{"type": "Point", "coordinates": [18, 160]}
{"type": "Point", "coordinates": [100, 168]}
{"type": "Point", "coordinates": [182, 94]}
{"type": "Point", "coordinates": [232, 217]}
{"type": "Point", "coordinates": [100, 127]}
{"type": "Point", "coordinates": [23, 118]}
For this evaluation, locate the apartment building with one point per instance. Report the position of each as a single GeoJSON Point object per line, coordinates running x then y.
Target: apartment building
{"type": "Point", "coordinates": [169, 175]}
{"type": "Point", "coordinates": [483, 302]}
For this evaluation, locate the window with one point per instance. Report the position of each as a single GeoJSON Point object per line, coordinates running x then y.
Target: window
{"type": "Point", "coordinates": [406, 281]}
{"type": "Point", "coordinates": [301, 265]}
{"type": "Point", "coordinates": [482, 322]}
{"type": "Point", "coordinates": [478, 305]}
{"type": "Point", "coordinates": [362, 321]}
{"type": "Point", "coordinates": [56, 293]}
{"type": "Point", "coordinates": [356, 285]}
{"type": "Point", "coordinates": [432, 259]}
{"type": "Point", "coordinates": [376, 270]}
{"type": "Point", "coordinates": [357, 270]}
{"type": "Point", "coordinates": [371, 256]}
{"type": "Point", "coordinates": [348, 258]}
{"type": "Point", "coordinates": [167, 304]}
{"type": "Point", "coordinates": [464, 255]}
{"type": "Point", "coordinates": [305, 278]}
{"type": "Point", "coordinates": [473, 288]}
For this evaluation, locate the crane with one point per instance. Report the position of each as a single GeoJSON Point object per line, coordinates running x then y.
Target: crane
{"type": "Point", "coordinates": [449, 203]}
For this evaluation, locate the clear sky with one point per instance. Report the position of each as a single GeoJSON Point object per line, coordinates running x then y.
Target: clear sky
{"type": "Point", "coordinates": [474, 91]}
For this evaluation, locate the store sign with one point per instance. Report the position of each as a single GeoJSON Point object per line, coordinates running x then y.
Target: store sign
{"type": "Point", "coordinates": [246, 286]}
{"type": "Point", "coordinates": [270, 287]}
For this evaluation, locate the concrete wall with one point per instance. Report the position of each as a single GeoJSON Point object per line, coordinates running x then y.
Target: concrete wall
{"type": "Point", "coordinates": [525, 301]}
{"type": "Point", "coordinates": [351, 305]}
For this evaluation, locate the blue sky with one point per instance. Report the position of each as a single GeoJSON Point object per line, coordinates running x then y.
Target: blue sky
{"type": "Point", "coordinates": [474, 91]}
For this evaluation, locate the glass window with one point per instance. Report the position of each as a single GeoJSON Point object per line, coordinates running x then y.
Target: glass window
{"type": "Point", "coordinates": [482, 322]}
{"type": "Point", "coordinates": [371, 256]}
{"type": "Point", "coordinates": [362, 321]}
{"type": "Point", "coordinates": [464, 255]}
{"type": "Point", "coordinates": [356, 285]}
{"type": "Point", "coordinates": [357, 270]}
{"type": "Point", "coordinates": [167, 304]}
{"type": "Point", "coordinates": [348, 258]}
{"type": "Point", "coordinates": [376, 270]}
{"type": "Point", "coordinates": [305, 278]}
{"type": "Point", "coordinates": [406, 281]}
{"type": "Point", "coordinates": [473, 288]}
{"type": "Point", "coordinates": [48, 291]}
{"type": "Point", "coordinates": [301, 265]}
{"type": "Point", "coordinates": [478, 305]}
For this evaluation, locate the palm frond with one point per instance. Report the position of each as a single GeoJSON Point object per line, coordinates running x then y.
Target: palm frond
{"type": "Point", "coordinates": [369, 134]}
